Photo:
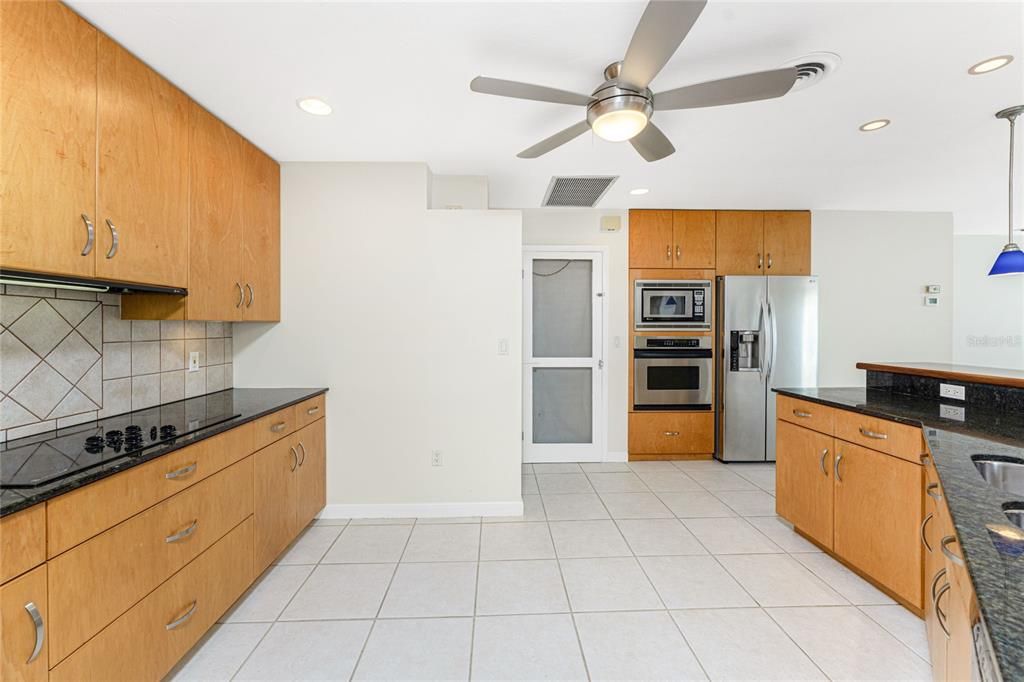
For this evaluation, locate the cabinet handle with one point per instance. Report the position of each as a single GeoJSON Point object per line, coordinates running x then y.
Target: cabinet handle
{"type": "Point", "coordinates": [183, 533]}
{"type": "Point", "coordinates": [295, 458]}
{"type": "Point", "coordinates": [90, 235]}
{"type": "Point", "coordinates": [769, 261]}
{"type": "Point", "coordinates": [313, 410]}
{"type": "Point", "coordinates": [839, 458]}
{"type": "Point", "coordinates": [802, 414]}
{"type": "Point", "coordinates": [115, 239]}
{"type": "Point", "coordinates": [945, 543]}
{"type": "Point", "coordinates": [252, 295]}
{"type": "Point", "coordinates": [939, 615]}
{"type": "Point", "coordinates": [924, 539]}
{"type": "Point", "coordinates": [935, 582]}
{"type": "Point", "coordinates": [178, 622]}
{"type": "Point", "coordinates": [671, 433]}
{"type": "Point", "coordinates": [302, 447]}
{"type": "Point", "coordinates": [824, 454]}
{"type": "Point", "coordinates": [679, 252]}
{"type": "Point", "coordinates": [37, 622]}
{"type": "Point", "coordinates": [278, 427]}
{"type": "Point", "coordinates": [668, 252]}
{"type": "Point", "coordinates": [930, 489]}
{"type": "Point", "coordinates": [760, 260]}
{"type": "Point", "coordinates": [241, 295]}
{"type": "Point", "coordinates": [183, 471]}
{"type": "Point", "coordinates": [926, 460]}
{"type": "Point", "coordinates": [873, 434]}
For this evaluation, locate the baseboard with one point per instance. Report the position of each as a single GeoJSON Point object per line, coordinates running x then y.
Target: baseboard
{"type": "Point", "coordinates": [421, 510]}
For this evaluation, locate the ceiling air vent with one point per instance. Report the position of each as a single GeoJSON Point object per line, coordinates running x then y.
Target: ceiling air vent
{"type": "Point", "coordinates": [813, 68]}
{"type": "Point", "coordinates": [583, 191]}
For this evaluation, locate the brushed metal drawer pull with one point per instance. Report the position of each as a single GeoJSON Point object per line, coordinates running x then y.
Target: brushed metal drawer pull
{"type": "Point", "coordinates": [252, 295]}
{"type": "Point", "coordinates": [178, 622]}
{"type": "Point", "coordinates": [241, 295]}
{"type": "Point", "coordinates": [935, 582]}
{"type": "Point", "coordinates": [183, 471]}
{"type": "Point", "coordinates": [930, 489]}
{"type": "Point", "coordinates": [824, 454]}
{"type": "Point", "coordinates": [668, 252]}
{"type": "Point", "coordinates": [924, 538]}
{"type": "Point", "coordinates": [37, 622]}
{"type": "Point", "coordinates": [183, 533]}
{"type": "Point", "coordinates": [769, 261]}
{"type": "Point", "coordinates": [313, 410]}
{"type": "Point", "coordinates": [278, 427]}
{"type": "Point", "coordinates": [115, 239]}
{"type": "Point", "coordinates": [295, 458]}
{"type": "Point", "coordinates": [945, 543]}
{"type": "Point", "coordinates": [873, 434]}
{"type": "Point", "coordinates": [939, 615]}
{"type": "Point", "coordinates": [839, 458]}
{"type": "Point", "coordinates": [679, 252]}
{"type": "Point", "coordinates": [671, 433]}
{"type": "Point", "coordinates": [302, 447]}
{"type": "Point", "coordinates": [802, 414]}
{"type": "Point", "coordinates": [90, 235]}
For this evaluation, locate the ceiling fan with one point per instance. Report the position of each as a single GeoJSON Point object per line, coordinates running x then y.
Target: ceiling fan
{"type": "Point", "coordinates": [621, 108]}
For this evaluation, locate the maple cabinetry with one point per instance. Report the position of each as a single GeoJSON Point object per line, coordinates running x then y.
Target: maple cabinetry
{"type": "Point", "coordinates": [763, 243]}
{"type": "Point", "coordinates": [672, 239]}
{"type": "Point", "coordinates": [23, 621]}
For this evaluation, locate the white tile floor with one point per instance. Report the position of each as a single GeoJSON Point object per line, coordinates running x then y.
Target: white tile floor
{"type": "Point", "coordinates": [616, 571]}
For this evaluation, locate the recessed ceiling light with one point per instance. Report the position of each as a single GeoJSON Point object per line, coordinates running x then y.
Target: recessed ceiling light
{"type": "Point", "coordinates": [638, 191]}
{"type": "Point", "coordinates": [990, 65]}
{"type": "Point", "coordinates": [877, 124]}
{"type": "Point", "coordinates": [314, 105]}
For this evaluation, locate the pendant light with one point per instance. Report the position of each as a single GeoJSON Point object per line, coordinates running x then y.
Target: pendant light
{"type": "Point", "coordinates": [1011, 260]}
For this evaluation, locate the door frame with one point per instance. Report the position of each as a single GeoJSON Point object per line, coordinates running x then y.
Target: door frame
{"type": "Point", "coordinates": [600, 407]}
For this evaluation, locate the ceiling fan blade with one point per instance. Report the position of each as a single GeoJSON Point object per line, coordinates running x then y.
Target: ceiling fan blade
{"type": "Point", "coordinates": [747, 88]}
{"type": "Point", "coordinates": [652, 144]}
{"type": "Point", "coordinates": [556, 140]}
{"type": "Point", "coordinates": [540, 93]}
{"type": "Point", "coordinates": [662, 28]}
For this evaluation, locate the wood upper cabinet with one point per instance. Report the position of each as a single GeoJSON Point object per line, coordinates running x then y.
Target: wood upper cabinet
{"type": "Point", "coordinates": [804, 480]}
{"type": "Point", "coordinates": [787, 242]}
{"type": "Point", "coordinates": [312, 471]}
{"type": "Point", "coordinates": [261, 243]}
{"type": "Point", "coordinates": [276, 487]}
{"type": "Point", "coordinates": [693, 239]}
{"type": "Point", "coordinates": [23, 645]}
{"type": "Point", "coordinates": [215, 230]}
{"type": "Point", "coordinates": [651, 239]}
{"type": "Point", "coordinates": [739, 238]}
{"type": "Point", "coordinates": [878, 518]}
{"type": "Point", "coordinates": [48, 143]}
{"type": "Point", "coordinates": [143, 172]}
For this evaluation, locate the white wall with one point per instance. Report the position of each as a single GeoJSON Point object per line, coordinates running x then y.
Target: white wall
{"type": "Point", "coordinates": [568, 227]}
{"type": "Point", "coordinates": [399, 311]}
{"type": "Point", "coordinates": [873, 267]}
{"type": "Point", "coordinates": [458, 191]}
{"type": "Point", "coordinates": [988, 322]}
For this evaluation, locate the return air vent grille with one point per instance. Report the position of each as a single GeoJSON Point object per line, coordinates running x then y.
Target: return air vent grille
{"type": "Point", "coordinates": [582, 191]}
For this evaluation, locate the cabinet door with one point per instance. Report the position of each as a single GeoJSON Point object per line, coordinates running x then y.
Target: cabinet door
{"type": "Point", "coordinates": [671, 433]}
{"type": "Point", "coordinates": [693, 239]}
{"type": "Point", "coordinates": [787, 242]}
{"type": "Point", "coordinates": [143, 174]}
{"type": "Point", "coordinates": [961, 609]}
{"type": "Point", "coordinates": [739, 241]}
{"type": "Point", "coordinates": [276, 488]}
{"type": "Point", "coordinates": [21, 601]}
{"type": "Point", "coordinates": [878, 518]}
{"type": "Point", "coordinates": [650, 239]}
{"type": "Point", "coordinates": [261, 243]}
{"type": "Point", "coordinates": [215, 230]}
{"type": "Point", "coordinates": [48, 143]}
{"type": "Point", "coordinates": [934, 577]}
{"type": "Point", "coordinates": [803, 478]}
{"type": "Point", "coordinates": [312, 471]}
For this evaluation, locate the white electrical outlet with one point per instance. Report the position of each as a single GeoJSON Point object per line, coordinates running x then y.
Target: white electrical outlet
{"type": "Point", "coordinates": [502, 346]}
{"type": "Point", "coordinates": [953, 412]}
{"type": "Point", "coordinates": [193, 361]}
{"type": "Point", "coordinates": [952, 391]}
{"type": "Point", "coordinates": [435, 458]}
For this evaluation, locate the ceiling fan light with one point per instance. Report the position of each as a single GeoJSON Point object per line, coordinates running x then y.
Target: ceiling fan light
{"type": "Point", "coordinates": [619, 126]}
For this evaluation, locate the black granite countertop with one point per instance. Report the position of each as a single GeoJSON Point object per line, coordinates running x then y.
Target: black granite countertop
{"type": "Point", "coordinates": [995, 562]}
{"type": "Point", "coordinates": [43, 466]}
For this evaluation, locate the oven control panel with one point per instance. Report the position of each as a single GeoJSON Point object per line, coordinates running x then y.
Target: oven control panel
{"type": "Point", "coordinates": [670, 342]}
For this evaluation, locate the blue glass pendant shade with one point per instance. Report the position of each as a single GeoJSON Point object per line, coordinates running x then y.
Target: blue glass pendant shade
{"type": "Point", "coordinates": [1009, 262]}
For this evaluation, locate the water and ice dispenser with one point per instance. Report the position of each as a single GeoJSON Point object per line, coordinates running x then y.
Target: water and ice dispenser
{"type": "Point", "coordinates": [745, 351]}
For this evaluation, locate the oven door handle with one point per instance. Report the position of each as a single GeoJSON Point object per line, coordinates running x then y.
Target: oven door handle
{"type": "Point", "coordinates": [701, 354]}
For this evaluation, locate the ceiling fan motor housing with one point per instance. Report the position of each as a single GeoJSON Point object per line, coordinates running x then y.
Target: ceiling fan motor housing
{"type": "Point", "coordinates": [614, 96]}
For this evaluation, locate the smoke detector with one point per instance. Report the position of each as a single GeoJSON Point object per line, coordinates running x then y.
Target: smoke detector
{"type": "Point", "coordinates": [813, 68]}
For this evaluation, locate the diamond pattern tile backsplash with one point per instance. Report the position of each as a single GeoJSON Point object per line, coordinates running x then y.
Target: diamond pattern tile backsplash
{"type": "Point", "coordinates": [67, 357]}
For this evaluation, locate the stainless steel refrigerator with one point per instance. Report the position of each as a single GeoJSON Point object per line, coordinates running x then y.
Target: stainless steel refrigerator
{"type": "Point", "coordinates": [767, 336]}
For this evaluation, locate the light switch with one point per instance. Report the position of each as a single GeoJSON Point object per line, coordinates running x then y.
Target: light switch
{"type": "Point", "coordinates": [502, 346]}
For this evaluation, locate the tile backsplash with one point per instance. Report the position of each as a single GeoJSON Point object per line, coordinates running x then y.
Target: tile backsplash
{"type": "Point", "coordinates": [67, 357]}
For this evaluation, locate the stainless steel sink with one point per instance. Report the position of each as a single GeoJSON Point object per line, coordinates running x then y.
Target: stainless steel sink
{"type": "Point", "coordinates": [1004, 473]}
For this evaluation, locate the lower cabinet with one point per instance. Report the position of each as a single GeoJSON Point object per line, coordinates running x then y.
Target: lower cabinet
{"type": "Point", "coordinates": [803, 480]}
{"type": "Point", "coordinates": [23, 619]}
{"type": "Point", "coordinates": [671, 433]}
{"type": "Point", "coordinates": [312, 471]}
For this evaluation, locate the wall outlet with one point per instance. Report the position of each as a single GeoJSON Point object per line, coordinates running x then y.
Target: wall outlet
{"type": "Point", "coordinates": [435, 458]}
{"type": "Point", "coordinates": [193, 361]}
{"type": "Point", "coordinates": [955, 412]}
{"type": "Point", "coordinates": [952, 391]}
{"type": "Point", "coordinates": [502, 346]}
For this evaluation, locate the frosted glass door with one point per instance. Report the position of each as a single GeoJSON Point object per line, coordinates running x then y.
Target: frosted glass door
{"type": "Point", "coordinates": [563, 328]}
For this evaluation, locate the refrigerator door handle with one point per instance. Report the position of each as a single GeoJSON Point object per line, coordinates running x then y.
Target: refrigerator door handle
{"type": "Point", "coordinates": [762, 329]}
{"type": "Point", "coordinates": [774, 336]}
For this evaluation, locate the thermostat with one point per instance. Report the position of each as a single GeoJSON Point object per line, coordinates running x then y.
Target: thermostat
{"type": "Point", "coordinates": [931, 300]}
{"type": "Point", "coordinates": [933, 289]}
{"type": "Point", "coordinates": [611, 223]}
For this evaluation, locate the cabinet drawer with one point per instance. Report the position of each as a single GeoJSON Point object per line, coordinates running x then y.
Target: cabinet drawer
{"type": "Point", "coordinates": [665, 433]}
{"type": "Point", "coordinates": [22, 541]}
{"type": "Point", "coordinates": [310, 410]}
{"type": "Point", "coordinates": [274, 427]}
{"type": "Point", "coordinates": [23, 654]}
{"type": "Point", "coordinates": [899, 440]}
{"type": "Point", "coordinates": [804, 413]}
{"type": "Point", "coordinates": [119, 497]}
{"type": "Point", "coordinates": [144, 643]}
{"type": "Point", "coordinates": [97, 581]}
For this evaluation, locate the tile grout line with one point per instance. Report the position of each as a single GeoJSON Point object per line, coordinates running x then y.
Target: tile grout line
{"type": "Point", "coordinates": [568, 602]}
{"type": "Point", "coordinates": [476, 598]}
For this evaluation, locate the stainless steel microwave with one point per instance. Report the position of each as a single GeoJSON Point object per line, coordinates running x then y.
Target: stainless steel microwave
{"type": "Point", "coordinates": [672, 304]}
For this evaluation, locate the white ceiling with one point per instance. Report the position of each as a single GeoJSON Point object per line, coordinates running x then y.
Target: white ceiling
{"type": "Point", "coordinates": [398, 77]}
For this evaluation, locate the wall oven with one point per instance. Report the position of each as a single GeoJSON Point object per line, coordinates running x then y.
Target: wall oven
{"type": "Point", "coordinates": [672, 373]}
{"type": "Point", "coordinates": [672, 304]}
